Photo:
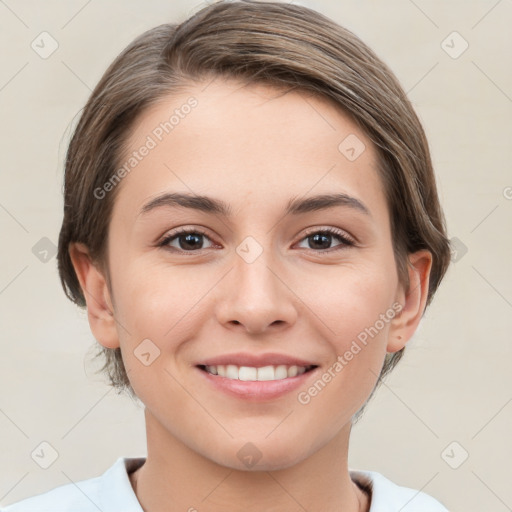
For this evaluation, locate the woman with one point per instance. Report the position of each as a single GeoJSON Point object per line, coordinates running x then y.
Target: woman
{"type": "Point", "coordinates": [251, 219]}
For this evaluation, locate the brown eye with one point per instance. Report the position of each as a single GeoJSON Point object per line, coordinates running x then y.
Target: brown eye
{"type": "Point", "coordinates": [186, 240]}
{"type": "Point", "coordinates": [321, 240]}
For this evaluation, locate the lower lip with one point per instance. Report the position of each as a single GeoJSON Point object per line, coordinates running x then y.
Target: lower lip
{"type": "Point", "coordinates": [256, 390]}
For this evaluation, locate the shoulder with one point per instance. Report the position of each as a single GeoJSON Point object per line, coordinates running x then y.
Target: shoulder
{"type": "Point", "coordinates": [110, 492]}
{"type": "Point", "coordinates": [80, 496]}
{"type": "Point", "coordinates": [389, 497]}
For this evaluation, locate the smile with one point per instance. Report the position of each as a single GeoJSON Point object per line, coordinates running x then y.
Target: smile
{"type": "Point", "coordinates": [252, 373]}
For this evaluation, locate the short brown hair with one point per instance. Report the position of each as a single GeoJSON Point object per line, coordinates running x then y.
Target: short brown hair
{"type": "Point", "coordinates": [272, 43]}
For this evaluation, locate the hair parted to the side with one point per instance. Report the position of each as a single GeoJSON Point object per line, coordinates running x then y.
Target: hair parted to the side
{"type": "Point", "coordinates": [279, 44]}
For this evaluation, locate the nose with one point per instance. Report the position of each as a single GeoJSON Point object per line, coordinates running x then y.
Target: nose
{"type": "Point", "coordinates": [255, 297]}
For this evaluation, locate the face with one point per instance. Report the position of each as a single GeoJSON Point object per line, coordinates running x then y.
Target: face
{"type": "Point", "coordinates": [268, 275]}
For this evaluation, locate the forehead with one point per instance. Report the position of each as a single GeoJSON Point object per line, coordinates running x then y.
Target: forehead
{"type": "Point", "coordinates": [244, 142]}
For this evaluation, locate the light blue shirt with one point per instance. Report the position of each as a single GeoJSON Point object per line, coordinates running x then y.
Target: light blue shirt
{"type": "Point", "coordinates": [112, 492]}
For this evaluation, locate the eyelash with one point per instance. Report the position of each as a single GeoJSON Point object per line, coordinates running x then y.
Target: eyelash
{"type": "Point", "coordinates": [341, 235]}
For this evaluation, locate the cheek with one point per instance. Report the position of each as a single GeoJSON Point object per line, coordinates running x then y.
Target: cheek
{"type": "Point", "coordinates": [354, 312]}
{"type": "Point", "coordinates": [347, 300]}
{"type": "Point", "coordinates": [156, 300]}
{"type": "Point", "coordinates": [156, 308]}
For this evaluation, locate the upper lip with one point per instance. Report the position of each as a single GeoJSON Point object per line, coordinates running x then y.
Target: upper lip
{"type": "Point", "coordinates": [255, 360]}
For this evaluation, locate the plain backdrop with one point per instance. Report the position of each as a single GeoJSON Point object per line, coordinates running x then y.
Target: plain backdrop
{"type": "Point", "coordinates": [441, 422]}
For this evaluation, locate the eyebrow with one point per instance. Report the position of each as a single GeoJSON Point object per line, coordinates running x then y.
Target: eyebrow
{"type": "Point", "coordinates": [214, 206]}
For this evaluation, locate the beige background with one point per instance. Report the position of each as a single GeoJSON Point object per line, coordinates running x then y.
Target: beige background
{"type": "Point", "coordinates": [454, 383]}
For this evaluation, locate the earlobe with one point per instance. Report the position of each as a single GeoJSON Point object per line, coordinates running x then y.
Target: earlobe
{"type": "Point", "coordinates": [413, 301]}
{"type": "Point", "coordinates": [100, 310]}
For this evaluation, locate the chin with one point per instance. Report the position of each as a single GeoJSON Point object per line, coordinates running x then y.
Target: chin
{"type": "Point", "coordinates": [261, 456]}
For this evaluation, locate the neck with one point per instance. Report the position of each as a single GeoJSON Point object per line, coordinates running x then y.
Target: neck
{"type": "Point", "coordinates": [175, 474]}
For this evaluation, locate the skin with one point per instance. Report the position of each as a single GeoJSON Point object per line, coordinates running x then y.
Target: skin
{"type": "Point", "coordinates": [255, 148]}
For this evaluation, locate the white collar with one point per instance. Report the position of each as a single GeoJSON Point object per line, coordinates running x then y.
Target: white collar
{"type": "Point", "coordinates": [386, 495]}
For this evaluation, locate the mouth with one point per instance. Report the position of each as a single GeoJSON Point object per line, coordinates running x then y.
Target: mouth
{"type": "Point", "coordinates": [257, 383]}
{"type": "Point", "coordinates": [256, 373]}
{"type": "Point", "coordinates": [256, 377]}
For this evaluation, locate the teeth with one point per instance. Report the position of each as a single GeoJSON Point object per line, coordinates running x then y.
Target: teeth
{"type": "Point", "coordinates": [231, 371]}
{"type": "Point", "coordinates": [250, 373]}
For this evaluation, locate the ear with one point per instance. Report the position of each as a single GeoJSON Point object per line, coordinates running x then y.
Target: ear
{"type": "Point", "coordinates": [413, 301]}
{"type": "Point", "coordinates": [97, 296]}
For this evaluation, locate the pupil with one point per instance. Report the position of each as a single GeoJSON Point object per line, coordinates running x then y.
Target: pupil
{"type": "Point", "coordinates": [190, 240]}
{"type": "Point", "coordinates": [324, 237]}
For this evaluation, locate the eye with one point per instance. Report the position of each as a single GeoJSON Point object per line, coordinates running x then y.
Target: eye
{"type": "Point", "coordinates": [322, 239]}
{"type": "Point", "coordinates": [187, 240]}
{"type": "Point", "coordinates": [192, 240]}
